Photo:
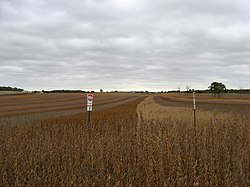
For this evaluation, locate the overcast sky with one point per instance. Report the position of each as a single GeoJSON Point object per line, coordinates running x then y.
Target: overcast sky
{"type": "Point", "coordinates": [124, 44]}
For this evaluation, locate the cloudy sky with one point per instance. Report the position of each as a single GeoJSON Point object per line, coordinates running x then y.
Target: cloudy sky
{"type": "Point", "coordinates": [124, 44]}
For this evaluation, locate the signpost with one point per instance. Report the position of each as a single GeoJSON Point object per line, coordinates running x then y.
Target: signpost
{"type": "Point", "coordinates": [90, 98]}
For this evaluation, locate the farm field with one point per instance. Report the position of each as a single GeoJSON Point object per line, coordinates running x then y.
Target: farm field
{"type": "Point", "coordinates": [42, 106]}
{"type": "Point", "coordinates": [134, 140]}
{"type": "Point", "coordinates": [229, 103]}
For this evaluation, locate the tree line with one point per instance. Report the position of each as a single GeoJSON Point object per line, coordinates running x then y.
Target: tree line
{"type": "Point", "coordinates": [8, 88]}
{"type": "Point", "coordinates": [217, 89]}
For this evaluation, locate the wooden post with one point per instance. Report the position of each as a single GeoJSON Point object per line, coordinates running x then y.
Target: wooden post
{"type": "Point", "coordinates": [89, 118]}
{"type": "Point", "coordinates": [195, 139]}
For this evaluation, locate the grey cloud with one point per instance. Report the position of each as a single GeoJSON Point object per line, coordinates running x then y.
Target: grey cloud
{"type": "Point", "coordinates": [124, 44]}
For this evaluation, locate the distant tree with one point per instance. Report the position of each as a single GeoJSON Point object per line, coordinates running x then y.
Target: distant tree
{"type": "Point", "coordinates": [188, 89]}
{"type": "Point", "coordinates": [217, 88]}
{"type": "Point", "coordinates": [179, 89]}
{"type": "Point", "coordinates": [65, 91]}
{"type": "Point", "coordinates": [241, 88]}
{"type": "Point", "coordinates": [101, 90]}
{"type": "Point", "coordinates": [8, 88]}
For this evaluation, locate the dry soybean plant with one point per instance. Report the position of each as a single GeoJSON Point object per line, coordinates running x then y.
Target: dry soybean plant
{"type": "Point", "coordinates": [159, 149]}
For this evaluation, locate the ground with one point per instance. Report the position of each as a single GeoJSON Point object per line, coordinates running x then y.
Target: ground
{"type": "Point", "coordinates": [134, 139]}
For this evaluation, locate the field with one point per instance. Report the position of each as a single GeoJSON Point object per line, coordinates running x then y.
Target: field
{"type": "Point", "coordinates": [134, 140]}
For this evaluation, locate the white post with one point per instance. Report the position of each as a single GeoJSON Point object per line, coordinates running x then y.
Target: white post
{"type": "Point", "coordinates": [90, 98]}
{"type": "Point", "coordinates": [194, 99]}
{"type": "Point", "coordinates": [194, 109]}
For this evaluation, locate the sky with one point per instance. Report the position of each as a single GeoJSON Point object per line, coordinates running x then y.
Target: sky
{"type": "Point", "coordinates": [125, 45]}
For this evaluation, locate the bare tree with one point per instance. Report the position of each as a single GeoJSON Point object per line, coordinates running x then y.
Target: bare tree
{"type": "Point", "coordinates": [188, 87]}
{"type": "Point", "coordinates": [241, 89]}
{"type": "Point", "coordinates": [179, 89]}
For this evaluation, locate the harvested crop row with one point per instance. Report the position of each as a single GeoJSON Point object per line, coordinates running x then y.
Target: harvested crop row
{"type": "Point", "coordinates": [54, 103]}
{"type": "Point", "coordinates": [59, 107]}
{"type": "Point", "coordinates": [227, 96]}
{"type": "Point", "coordinates": [41, 98]}
{"type": "Point", "coordinates": [212, 106]}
